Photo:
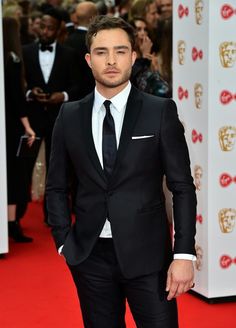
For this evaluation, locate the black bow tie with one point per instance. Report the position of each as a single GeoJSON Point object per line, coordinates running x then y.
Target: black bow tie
{"type": "Point", "coordinates": [44, 47]}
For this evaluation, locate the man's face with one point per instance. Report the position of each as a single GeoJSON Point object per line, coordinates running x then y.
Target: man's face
{"type": "Point", "coordinates": [49, 28]}
{"type": "Point", "coordinates": [111, 59]}
{"type": "Point", "coordinates": [151, 15]}
{"type": "Point", "coordinates": [165, 8]}
{"type": "Point", "coordinates": [199, 12]}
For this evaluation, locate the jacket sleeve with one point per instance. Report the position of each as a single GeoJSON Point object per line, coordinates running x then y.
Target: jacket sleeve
{"type": "Point", "coordinates": [58, 185]}
{"type": "Point", "coordinates": [176, 164]}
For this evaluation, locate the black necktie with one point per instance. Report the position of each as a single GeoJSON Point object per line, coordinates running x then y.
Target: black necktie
{"type": "Point", "coordinates": [109, 147]}
{"type": "Point", "coordinates": [44, 47]}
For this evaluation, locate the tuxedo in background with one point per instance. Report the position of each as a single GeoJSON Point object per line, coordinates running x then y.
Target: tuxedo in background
{"type": "Point", "coordinates": [62, 78]}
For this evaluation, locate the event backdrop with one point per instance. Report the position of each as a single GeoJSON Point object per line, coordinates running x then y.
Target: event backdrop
{"type": "Point", "coordinates": [204, 79]}
{"type": "Point", "coordinates": [3, 194]}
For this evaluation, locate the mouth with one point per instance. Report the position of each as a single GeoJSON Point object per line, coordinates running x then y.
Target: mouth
{"type": "Point", "coordinates": [111, 71]}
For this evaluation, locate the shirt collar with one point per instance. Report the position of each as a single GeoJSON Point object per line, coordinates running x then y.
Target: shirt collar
{"type": "Point", "coordinates": [82, 28]}
{"type": "Point", "coordinates": [53, 46]}
{"type": "Point", "coordinates": [118, 101]}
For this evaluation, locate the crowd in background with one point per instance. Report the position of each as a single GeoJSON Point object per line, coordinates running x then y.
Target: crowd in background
{"type": "Point", "coordinates": [44, 66]}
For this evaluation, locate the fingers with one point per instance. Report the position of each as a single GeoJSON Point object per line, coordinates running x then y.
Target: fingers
{"type": "Point", "coordinates": [177, 289]}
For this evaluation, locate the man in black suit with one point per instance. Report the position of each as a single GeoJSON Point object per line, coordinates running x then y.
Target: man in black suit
{"type": "Point", "coordinates": [120, 246]}
{"type": "Point", "coordinates": [51, 77]}
{"type": "Point", "coordinates": [85, 11]}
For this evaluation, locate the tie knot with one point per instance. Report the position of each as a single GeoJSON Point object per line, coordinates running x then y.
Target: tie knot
{"type": "Point", "coordinates": [44, 47]}
{"type": "Point", "coordinates": [107, 104]}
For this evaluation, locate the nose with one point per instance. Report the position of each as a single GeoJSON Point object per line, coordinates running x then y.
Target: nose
{"type": "Point", "coordinates": [111, 60]}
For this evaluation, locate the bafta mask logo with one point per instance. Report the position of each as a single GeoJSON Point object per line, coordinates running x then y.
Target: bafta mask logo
{"type": "Point", "coordinates": [226, 180]}
{"type": "Point", "coordinates": [182, 93]}
{"type": "Point", "coordinates": [182, 11]}
{"type": "Point", "coordinates": [226, 97]}
{"type": "Point", "coordinates": [197, 174]}
{"type": "Point", "coordinates": [227, 217]}
{"type": "Point", "coordinates": [199, 5]}
{"type": "Point", "coordinates": [227, 11]}
{"type": "Point", "coordinates": [226, 261]}
{"type": "Point", "coordinates": [198, 93]}
{"type": "Point", "coordinates": [181, 51]}
{"type": "Point", "coordinates": [199, 256]}
{"type": "Point", "coordinates": [227, 53]}
{"type": "Point", "coordinates": [227, 137]}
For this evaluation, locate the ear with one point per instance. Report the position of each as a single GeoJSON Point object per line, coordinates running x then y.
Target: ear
{"type": "Point", "coordinates": [134, 56]}
{"type": "Point", "coordinates": [88, 59]}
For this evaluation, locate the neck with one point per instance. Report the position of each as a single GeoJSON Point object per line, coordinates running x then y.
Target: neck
{"type": "Point", "coordinates": [109, 92]}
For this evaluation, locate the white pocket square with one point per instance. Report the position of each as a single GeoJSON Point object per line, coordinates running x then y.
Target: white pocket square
{"type": "Point", "coordinates": [144, 137]}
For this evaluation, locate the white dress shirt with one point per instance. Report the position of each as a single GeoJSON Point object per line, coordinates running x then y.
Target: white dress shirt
{"type": "Point", "coordinates": [46, 61]}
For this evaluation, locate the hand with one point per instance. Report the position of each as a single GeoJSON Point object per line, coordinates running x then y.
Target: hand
{"type": "Point", "coordinates": [180, 278]}
{"type": "Point", "coordinates": [30, 132]}
{"type": "Point", "coordinates": [56, 98]}
{"type": "Point", "coordinates": [38, 94]}
{"type": "Point", "coordinates": [145, 47]}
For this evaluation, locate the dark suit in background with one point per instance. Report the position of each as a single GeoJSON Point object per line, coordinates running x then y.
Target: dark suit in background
{"type": "Point", "coordinates": [76, 40]}
{"type": "Point", "coordinates": [63, 78]}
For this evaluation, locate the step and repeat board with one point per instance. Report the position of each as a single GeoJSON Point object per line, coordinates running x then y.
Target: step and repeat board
{"type": "Point", "coordinates": [204, 80]}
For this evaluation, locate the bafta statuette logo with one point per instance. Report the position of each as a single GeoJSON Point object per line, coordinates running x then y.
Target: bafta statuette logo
{"type": "Point", "coordinates": [197, 174]}
{"type": "Point", "coordinates": [181, 51]}
{"type": "Point", "coordinates": [227, 137]}
{"type": "Point", "coordinates": [227, 51]}
{"type": "Point", "coordinates": [199, 256]}
{"type": "Point", "coordinates": [198, 94]}
{"type": "Point", "coordinates": [227, 218]}
{"type": "Point", "coordinates": [199, 6]}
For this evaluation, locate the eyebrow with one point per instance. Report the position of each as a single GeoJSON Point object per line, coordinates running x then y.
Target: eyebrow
{"type": "Point", "coordinates": [116, 47]}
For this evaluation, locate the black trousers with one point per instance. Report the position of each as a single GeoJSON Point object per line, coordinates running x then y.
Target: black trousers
{"type": "Point", "coordinates": [103, 291]}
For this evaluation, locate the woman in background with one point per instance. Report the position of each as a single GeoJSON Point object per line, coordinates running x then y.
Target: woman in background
{"type": "Point", "coordinates": [17, 123]}
{"type": "Point", "coordinates": [145, 72]}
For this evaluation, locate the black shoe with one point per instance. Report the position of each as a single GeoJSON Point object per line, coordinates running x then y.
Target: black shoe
{"type": "Point", "coordinates": [16, 233]}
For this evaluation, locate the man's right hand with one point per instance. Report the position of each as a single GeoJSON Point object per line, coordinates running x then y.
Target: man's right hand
{"type": "Point", "coordinates": [39, 95]}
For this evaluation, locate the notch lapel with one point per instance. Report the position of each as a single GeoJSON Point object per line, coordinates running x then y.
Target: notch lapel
{"type": "Point", "coordinates": [87, 104]}
{"type": "Point", "coordinates": [134, 105]}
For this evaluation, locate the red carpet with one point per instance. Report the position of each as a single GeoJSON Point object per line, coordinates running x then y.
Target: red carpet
{"type": "Point", "coordinates": [37, 290]}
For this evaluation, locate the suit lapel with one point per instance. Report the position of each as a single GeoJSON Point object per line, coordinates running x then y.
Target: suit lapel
{"type": "Point", "coordinates": [134, 105]}
{"type": "Point", "coordinates": [87, 104]}
{"type": "Point", "coordinates": [56, 63]}
{"type": "Point", "coordinates": [35, 58]}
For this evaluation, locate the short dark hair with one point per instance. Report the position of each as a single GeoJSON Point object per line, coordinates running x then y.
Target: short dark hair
{"type": "Point", "coordinates": [103, 22]}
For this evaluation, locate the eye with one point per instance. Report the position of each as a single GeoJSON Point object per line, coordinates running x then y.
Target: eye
{"type": "Point", "coordinates": [100, 52]}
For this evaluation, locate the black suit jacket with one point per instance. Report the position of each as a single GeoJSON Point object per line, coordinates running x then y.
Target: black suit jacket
{"type": "Point", "coordinates": [133, 197]}
{"type": "Point", "coordinates": [76, 40]}
{"type": "Point", "coordinates": [63, 77]}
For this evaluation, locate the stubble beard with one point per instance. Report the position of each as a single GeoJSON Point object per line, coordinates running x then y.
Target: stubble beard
{"type": "Point", "coordinates": [112, 84]}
